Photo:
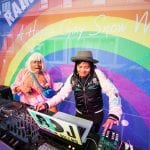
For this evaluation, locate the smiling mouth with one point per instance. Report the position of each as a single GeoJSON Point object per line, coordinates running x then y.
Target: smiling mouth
{"type": "Point", "coordinates": [37, 68]}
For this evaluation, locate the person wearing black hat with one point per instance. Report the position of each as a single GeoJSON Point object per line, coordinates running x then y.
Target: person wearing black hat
{"type": "Point", "coordinates": [87, 82]}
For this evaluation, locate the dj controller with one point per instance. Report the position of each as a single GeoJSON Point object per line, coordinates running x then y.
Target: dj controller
{"type": "Point", "coordinates": [16, 126]}
{"type": "Point", "coordinates": [18, 131]}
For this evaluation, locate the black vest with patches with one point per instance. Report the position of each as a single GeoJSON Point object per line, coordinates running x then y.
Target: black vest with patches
{"type": "Point", "coordinates": [88, 94]}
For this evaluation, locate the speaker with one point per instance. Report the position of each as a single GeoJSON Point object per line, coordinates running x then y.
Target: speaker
{"type": "Point", "coordinates": [5, 92]}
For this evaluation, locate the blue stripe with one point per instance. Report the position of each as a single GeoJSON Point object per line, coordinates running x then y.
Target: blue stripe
{"type": "Point", "coordinates": [118, 64]}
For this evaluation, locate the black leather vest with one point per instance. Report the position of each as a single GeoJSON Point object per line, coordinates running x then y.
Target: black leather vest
{"type": "Point", "coordinates": [88, 94]}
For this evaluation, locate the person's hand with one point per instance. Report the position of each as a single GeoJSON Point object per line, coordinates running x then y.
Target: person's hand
{"type": "Point", "coordinates": [109, 123]}
{"type": "Point", "coordinates": [26, 89]}
{"type": "Point", "coordinates": [40, 106]}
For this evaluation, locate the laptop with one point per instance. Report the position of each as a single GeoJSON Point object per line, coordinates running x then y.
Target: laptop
{"type": "Point", "coordinates": [63, 125]}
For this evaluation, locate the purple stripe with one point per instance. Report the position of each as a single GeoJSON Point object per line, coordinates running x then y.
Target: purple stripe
{"type": "Point", "coordinates": [134, 95]}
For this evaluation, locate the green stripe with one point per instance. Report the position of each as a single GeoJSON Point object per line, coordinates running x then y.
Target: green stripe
{"type": "Point", "coordinates": [135, 52]}
{"type": "Point", "coordinates": [120, 46]}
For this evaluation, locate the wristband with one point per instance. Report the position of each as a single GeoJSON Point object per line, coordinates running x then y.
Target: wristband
{"type": "Point", "coordinates": [112, 116]}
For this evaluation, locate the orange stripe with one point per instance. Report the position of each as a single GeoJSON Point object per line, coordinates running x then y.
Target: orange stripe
{"type": "Point", "coordinates": [44, 19]}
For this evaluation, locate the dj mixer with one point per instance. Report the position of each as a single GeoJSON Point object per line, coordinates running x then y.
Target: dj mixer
{"type": "Point", "coordinates": [18, 131]}
{"type": "Point", "coordinates": [16, 126]}
{"type": "Point", "coordinates": [109, 140]}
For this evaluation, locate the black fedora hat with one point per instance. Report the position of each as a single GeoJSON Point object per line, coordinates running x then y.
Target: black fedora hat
{"type": "Point", "coordinates": [84, 56]}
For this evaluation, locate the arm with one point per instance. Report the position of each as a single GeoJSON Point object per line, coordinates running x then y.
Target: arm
{"type": "Point", "coordinates": [59, 97]}
{"type": "Point", "coordinates": [17, 85]}
{"type": "Point", "coordinates": [62, 94]}
{"type": "Point", "coordinates": [111, 91]}
{"type": "Point", "coordinates": [115, 107]}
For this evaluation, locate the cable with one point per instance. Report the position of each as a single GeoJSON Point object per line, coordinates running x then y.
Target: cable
{"type": "Point", "coordinates": [126, 145]}
{"type": "Point", "coordinates": [93, 141]}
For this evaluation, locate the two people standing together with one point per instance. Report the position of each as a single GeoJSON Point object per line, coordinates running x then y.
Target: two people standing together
{"type": "Point", "coordinates": [86, 82]}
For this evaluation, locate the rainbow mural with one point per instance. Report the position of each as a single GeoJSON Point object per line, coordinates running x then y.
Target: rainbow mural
{"type": "Point", "coordinates": [119, 39]}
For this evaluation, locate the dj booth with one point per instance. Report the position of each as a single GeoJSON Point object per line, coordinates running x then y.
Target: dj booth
{"type": "Point", "coordinates": [22, 127]}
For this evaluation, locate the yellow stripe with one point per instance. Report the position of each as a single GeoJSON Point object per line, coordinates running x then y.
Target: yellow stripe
{"type": "Point", "coordinates": [116, 26]}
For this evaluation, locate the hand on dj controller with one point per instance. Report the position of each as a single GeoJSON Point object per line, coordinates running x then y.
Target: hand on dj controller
{"type": "Point", "coordinates": [109, 123]}
{"type": "Point", "coordinates": [41, 106]}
